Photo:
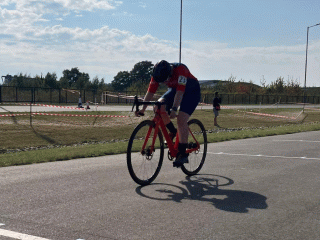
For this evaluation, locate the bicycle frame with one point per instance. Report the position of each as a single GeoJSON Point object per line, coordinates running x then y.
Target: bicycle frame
{"type": "Point", "coordinates": [173, 147]}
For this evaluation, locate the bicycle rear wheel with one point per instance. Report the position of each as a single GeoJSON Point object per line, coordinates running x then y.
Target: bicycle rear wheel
{"type": "Point", "coordinates": [197, 133]}
{"type": "Point", "coordinates": [144, 163]}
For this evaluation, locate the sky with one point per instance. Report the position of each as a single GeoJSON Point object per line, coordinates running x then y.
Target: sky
{"type": "Point", "coordinates": [251, 40]}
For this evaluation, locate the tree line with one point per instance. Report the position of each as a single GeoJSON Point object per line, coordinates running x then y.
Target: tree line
{"type": "Point", "coordinates": [138, 80]}
{"type": "Point", "coordinates": [280, 86]}
{"type": "Point", "coordinates": [71, 79]}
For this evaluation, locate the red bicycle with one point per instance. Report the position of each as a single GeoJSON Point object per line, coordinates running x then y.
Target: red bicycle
{"type": "Point", "coordinates": [146, 146]}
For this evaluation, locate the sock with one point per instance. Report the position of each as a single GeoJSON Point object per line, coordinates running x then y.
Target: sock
{"type": "Point", "coordinates": [171, 127]}
{"type": "Point", "coordinates": [182, 148]}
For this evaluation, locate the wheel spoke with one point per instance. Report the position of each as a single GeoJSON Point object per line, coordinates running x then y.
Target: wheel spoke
{"type": "Point", "coordinates": [144, 168]}
{"type": "Point", "coordinates": [197, 157]}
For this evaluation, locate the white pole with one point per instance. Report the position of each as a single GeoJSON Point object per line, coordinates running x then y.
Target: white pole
{"type": "Point", "coordinates": [180, 32]}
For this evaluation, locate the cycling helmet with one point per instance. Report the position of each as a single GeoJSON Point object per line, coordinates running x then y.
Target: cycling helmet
{"type": "Point", "coordinates": [161, 71]}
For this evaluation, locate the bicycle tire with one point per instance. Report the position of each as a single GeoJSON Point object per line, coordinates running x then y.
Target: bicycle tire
{"type": "Point", "coordinates": [196, 158]}
{"type": "Point", "coordinates": [144, 166]}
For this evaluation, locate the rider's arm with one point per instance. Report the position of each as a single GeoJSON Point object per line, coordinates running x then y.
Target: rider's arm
{"type": "Point", "coordinates": [148, 97]}
{"type": "Point", "coordinates": [177, 99]}
{"type": "Point", "coordinates": [176, 103]}
{"type": "Point", "coordinates": [182, 82]}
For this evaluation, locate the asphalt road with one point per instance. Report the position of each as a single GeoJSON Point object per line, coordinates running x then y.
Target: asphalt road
{"type": "Point", "coordinates": [261, 188]}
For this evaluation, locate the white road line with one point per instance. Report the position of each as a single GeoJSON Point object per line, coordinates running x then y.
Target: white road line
{"type": "Point", "coordinates": [306, 141]}
{"type": "Point", "coordinates": [21, 236]}
{"type": "Point", "coordinates": [260, 155]}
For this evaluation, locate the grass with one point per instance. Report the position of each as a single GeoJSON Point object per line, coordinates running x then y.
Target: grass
{"type": "Point", "coordinates": [56, 138]}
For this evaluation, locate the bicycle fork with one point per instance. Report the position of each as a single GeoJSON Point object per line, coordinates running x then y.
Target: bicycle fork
{"type": "Point", "coordinates": [148, 152]}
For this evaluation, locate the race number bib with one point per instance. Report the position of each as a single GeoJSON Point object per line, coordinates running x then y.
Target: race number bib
{"type": "Point", "coordinates": [182, 80]}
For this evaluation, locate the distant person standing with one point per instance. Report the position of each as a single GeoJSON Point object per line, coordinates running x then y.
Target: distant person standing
{"type": "Point", "coordinates": [216, 107]}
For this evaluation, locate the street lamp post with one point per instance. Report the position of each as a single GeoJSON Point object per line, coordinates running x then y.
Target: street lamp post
{"type": "Point", "coordinates": [180, 32]}
{"type": "Point", "coordinates": [305, 71]}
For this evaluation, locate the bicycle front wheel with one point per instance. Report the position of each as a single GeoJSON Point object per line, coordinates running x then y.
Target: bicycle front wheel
{"type": "Point", "coordinates": [197, 135]}
{"type": "Point", "coordinates": [144, 153]}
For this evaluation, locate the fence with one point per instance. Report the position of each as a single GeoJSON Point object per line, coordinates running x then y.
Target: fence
{"type": "Point", "coordinates": [46, 95]}
{"type": "Point", "coordinates": [67, 96]}
{"type": "Point", "coordinates": [263, 99]}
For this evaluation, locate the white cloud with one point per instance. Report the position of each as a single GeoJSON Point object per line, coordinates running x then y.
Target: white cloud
{"type": "Point", "coordinates": [81, 5]}
{"type": "Point", "coordinates": [88, 5]}
{"type": "Point", "coordinates": [30, 47]}
{"type": "Point", "coordinates": [143, 5]}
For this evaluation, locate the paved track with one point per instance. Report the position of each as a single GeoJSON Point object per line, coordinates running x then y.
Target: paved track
{"type": "Point", "coordinates": [17, 108]}
{"type": "Point", "coordinates": [262, 188]}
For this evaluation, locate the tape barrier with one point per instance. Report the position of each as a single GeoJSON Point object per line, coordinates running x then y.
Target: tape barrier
{"type": "Point", "coordinates": [13, 115]}
{"type": "Point", "coordinates": [46, 105]}
{"type": "Point", "coordinates": [272, 115]}
{"type": "Point", "coordinates": [58, 114]}
{"type": "Point", "coordinates": [64, 115]}
{"type": "Point", "coordinates": [78, 115]}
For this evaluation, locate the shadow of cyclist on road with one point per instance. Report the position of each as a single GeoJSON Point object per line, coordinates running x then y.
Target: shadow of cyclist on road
{"type": "Point", "coordinates": [205, 188]}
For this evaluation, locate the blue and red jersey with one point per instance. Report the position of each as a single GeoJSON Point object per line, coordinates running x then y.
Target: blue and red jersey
{"type": "Point", "coordinates": [178, 80]}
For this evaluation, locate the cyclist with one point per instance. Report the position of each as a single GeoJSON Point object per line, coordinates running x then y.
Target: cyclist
{"type": "Point", "coordinates": [183, 92]}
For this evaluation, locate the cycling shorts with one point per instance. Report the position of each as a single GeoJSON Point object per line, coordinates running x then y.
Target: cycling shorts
{"type": "Point", "coordinates": [190, 100]}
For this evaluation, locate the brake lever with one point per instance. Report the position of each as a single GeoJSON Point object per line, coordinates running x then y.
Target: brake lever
{"type": "Point", "coordinates": [137, 104]}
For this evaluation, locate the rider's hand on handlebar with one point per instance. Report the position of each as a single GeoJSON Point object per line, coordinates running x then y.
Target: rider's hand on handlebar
{"type": "Point", "coordinates": [139, 113]}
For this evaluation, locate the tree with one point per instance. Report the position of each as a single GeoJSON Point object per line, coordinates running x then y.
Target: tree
{"type": "Point", "coordinates": [74, 78]}
{"type": "Point", "coordinates": [83, 82]}
{"type": "Point", "coordinates": [230, 86]}
{"type": "Point", "coordinates": [137, 79]}
{"type": "Point", "coordinates": [140, 74]}
{"type": "Point", "coordinates": [19, 80]}
{"type": "Point", "coordinates": [102, 85]}
{"type": "Point", "coordinates": [293, 87]}
{"type": "Point", "coordinates": [64, 83]}
{"type": "Point", "coordinates": [276, 87]}
{"type": "Point", "coordinates": [121, 81]}
{"type": "Point", "coordinates": [50, 80]}
{"type": "Point", "coordinates": [95, 84]}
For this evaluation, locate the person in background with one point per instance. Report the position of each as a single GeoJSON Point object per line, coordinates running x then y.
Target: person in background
{"type": "Point", "coordinates": [216, 107]}
{"type": "Point", "coordinates": [183, 94]}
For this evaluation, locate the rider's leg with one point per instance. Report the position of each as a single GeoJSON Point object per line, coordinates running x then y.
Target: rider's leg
{"type": "Point", "coordinates": [166, 119]}
{"type": "Point", "coordinates": [182, 121]}
{"type": "Point", "coordinates": [190, 100]}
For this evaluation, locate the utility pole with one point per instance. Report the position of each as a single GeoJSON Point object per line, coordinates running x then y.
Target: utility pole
{"type": "Point", "coordinates": [305, 71]}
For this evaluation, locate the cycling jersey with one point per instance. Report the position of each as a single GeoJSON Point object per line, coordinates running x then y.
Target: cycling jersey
{"type": "Point", "coordinates": [178, 80]}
